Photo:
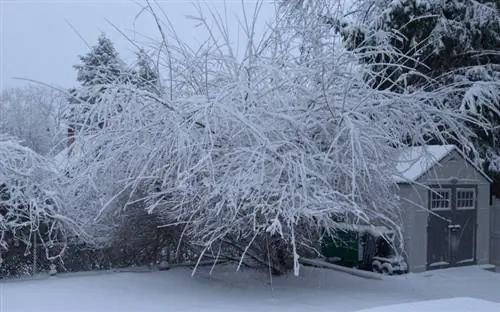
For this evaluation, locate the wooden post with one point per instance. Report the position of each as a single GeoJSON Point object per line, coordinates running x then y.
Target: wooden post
{"type": "Point", "coordinates": [34, 255]}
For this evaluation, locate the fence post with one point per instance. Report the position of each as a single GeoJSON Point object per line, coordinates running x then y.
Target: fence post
{"type": "Point", "coordinates": [34, 255]}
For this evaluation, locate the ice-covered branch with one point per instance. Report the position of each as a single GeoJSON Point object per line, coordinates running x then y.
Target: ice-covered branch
{"type": "Point", "coordinates": [271, 146]}
{"type": "Point", "coordinates": [31, 202]}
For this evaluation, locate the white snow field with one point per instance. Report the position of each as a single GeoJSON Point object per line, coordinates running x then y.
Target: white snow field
{"type": "Point", "coordinates": [249, 290]}
{"type": "Point", "coordinates": [464, 304]}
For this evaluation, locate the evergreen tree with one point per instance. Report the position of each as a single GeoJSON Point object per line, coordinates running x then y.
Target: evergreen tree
{"type": "Point", "coordinates": [101, 65]}
{"type": "Point", "coordinates": [146, 75]}
{"type": "Point", "coordinates": [97, 70]}
{"type": "Point", "coordinates": [451, 42]}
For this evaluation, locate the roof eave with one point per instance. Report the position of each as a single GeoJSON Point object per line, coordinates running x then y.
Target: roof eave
{"type": "Point", "coordinates": [454, 148]}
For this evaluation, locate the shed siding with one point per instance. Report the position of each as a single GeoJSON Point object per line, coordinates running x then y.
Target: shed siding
{"type": "Point", "coordinates": [414, 200]}
{"type": "Point", "coordinates": [453, 166]}
{"type": "Point", "coordinates": [495, 233]}
{"type": "Point", "coordinates": [414, 203]}
{"type": "Point", "coordinates": [483, 224]}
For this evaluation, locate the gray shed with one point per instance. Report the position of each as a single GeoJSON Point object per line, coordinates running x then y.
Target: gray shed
{"type": "Point", "coordinates": [446, 208]}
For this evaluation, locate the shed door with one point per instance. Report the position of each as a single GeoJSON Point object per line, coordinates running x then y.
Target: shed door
{"type": "Point", "coordinates": [463, 232]}
{"type": "Point", "coordinates": [451, 227]}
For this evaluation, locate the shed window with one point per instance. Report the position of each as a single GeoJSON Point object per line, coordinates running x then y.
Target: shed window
{"type": "Point", "coordinates": [466, 199]}
{"type": "Point", "coordinates": [440, 199]}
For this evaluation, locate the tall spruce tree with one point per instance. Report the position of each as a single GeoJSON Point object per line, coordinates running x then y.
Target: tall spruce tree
{"type": "Point", "coordinates": [146, 75]}
{"type": "Point", "coordinates": [101, 65]}
{"type": "Point", "coordinates": [97, 70]}
{"type": "Point", "coordinates": [450, 41]}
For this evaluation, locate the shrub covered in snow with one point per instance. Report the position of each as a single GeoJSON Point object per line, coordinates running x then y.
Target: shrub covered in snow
{"type": "Point", "coordinates": [256, 153]}
{"type": "Point", "coordinates": [31, 205]}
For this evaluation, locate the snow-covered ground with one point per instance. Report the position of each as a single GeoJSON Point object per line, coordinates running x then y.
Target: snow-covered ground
{"type": "Point", "coordinates": [441, 305]}
{"type": "Point", "coordinates": [249, 290]}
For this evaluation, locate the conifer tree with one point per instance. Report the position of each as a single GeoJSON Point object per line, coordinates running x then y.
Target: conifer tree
{"type": "Point", "coordinates": [146, 75]}
{"type": "Point", "coordinates": [97, 70]}
{"type": "Point", "coordinates": [454, 42]}
{"type": "Point", "coordinates": [101, 65]}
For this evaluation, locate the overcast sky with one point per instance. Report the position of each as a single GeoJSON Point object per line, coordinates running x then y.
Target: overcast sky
{"type": "Point", "coordinates": [38, 40]}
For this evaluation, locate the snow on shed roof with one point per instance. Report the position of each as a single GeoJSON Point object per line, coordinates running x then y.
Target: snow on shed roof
{"type": "Point", "coordinates": [413, 162]}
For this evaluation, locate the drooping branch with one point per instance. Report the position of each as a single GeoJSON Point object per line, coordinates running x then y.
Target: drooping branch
{"type": "Point", "coordinates": [315, 143]}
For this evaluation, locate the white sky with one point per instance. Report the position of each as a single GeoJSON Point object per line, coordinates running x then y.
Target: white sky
{"type": "Point", "coordinates": [37, 41]}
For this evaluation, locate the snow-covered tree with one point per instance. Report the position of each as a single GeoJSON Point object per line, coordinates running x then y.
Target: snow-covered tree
{"type": "Point", "coordinates": [439, 38]}
{"type": "Point", "coordinates": [262, 151]}
{"type": "Point", "coordinates": [31, 201]}
{"type": "Point", "coordinates": [101, 65]}
{"type": "Point", "coordinates": [440, 43]}
{"type": "Point", "coordinates": [32, 114]}
{"type": "Point", "coordinates": [98, 68]}
{"type": "Point", "coordinates": [147, 76]}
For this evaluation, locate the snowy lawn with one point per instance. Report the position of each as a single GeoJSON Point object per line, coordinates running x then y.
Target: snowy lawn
{"type": "Point", "coordinates": [441, 305]}
{"type": "Point", "coordinates": [226, 290]}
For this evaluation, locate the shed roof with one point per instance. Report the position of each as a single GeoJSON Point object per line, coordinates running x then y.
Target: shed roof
{"type": "Point", "coordinates": [414, 162]}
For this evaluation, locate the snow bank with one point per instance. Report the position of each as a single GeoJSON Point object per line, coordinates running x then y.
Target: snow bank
{"type": "Point", "coordinates": [461, 304]}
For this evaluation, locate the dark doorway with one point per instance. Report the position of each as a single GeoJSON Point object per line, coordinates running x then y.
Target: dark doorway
{"type": "Point", "coordinates": [451, 226]}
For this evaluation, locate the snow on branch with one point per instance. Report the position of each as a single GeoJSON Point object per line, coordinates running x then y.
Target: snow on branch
{"type": "Point", "coordinates": [31, 203]}
{"type": "Point", "coordinates": [277, 142]}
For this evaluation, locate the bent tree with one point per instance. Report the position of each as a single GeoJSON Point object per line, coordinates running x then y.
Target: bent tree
{"type": "Point", "coordinates": [256, 146]}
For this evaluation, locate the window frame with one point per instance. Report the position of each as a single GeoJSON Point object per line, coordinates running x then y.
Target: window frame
{"type": "Point", "coordinates": [457, 200]}
{"type": "Point", "coordinates": [432, 200]}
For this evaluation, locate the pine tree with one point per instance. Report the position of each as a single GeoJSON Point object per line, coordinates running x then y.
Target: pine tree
{"type": "Point", "coordinates": [101, 65]}
{"type": "Point", "coordinates": [146, 75]}
{"type": "Point", "coordinates": [444, 38]}
{"type": "Point", "coordinates": [452, 42]}
{"type": "Point", "coordinates": [97, 70]}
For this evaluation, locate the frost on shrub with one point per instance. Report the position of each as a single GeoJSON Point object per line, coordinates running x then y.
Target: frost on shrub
{"type": "Point", "coordinates": [256, 153]}
{"type": "Point", "coordinates": [31, 114]}
{"type": "Point", "coordinates": [31, 203]}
